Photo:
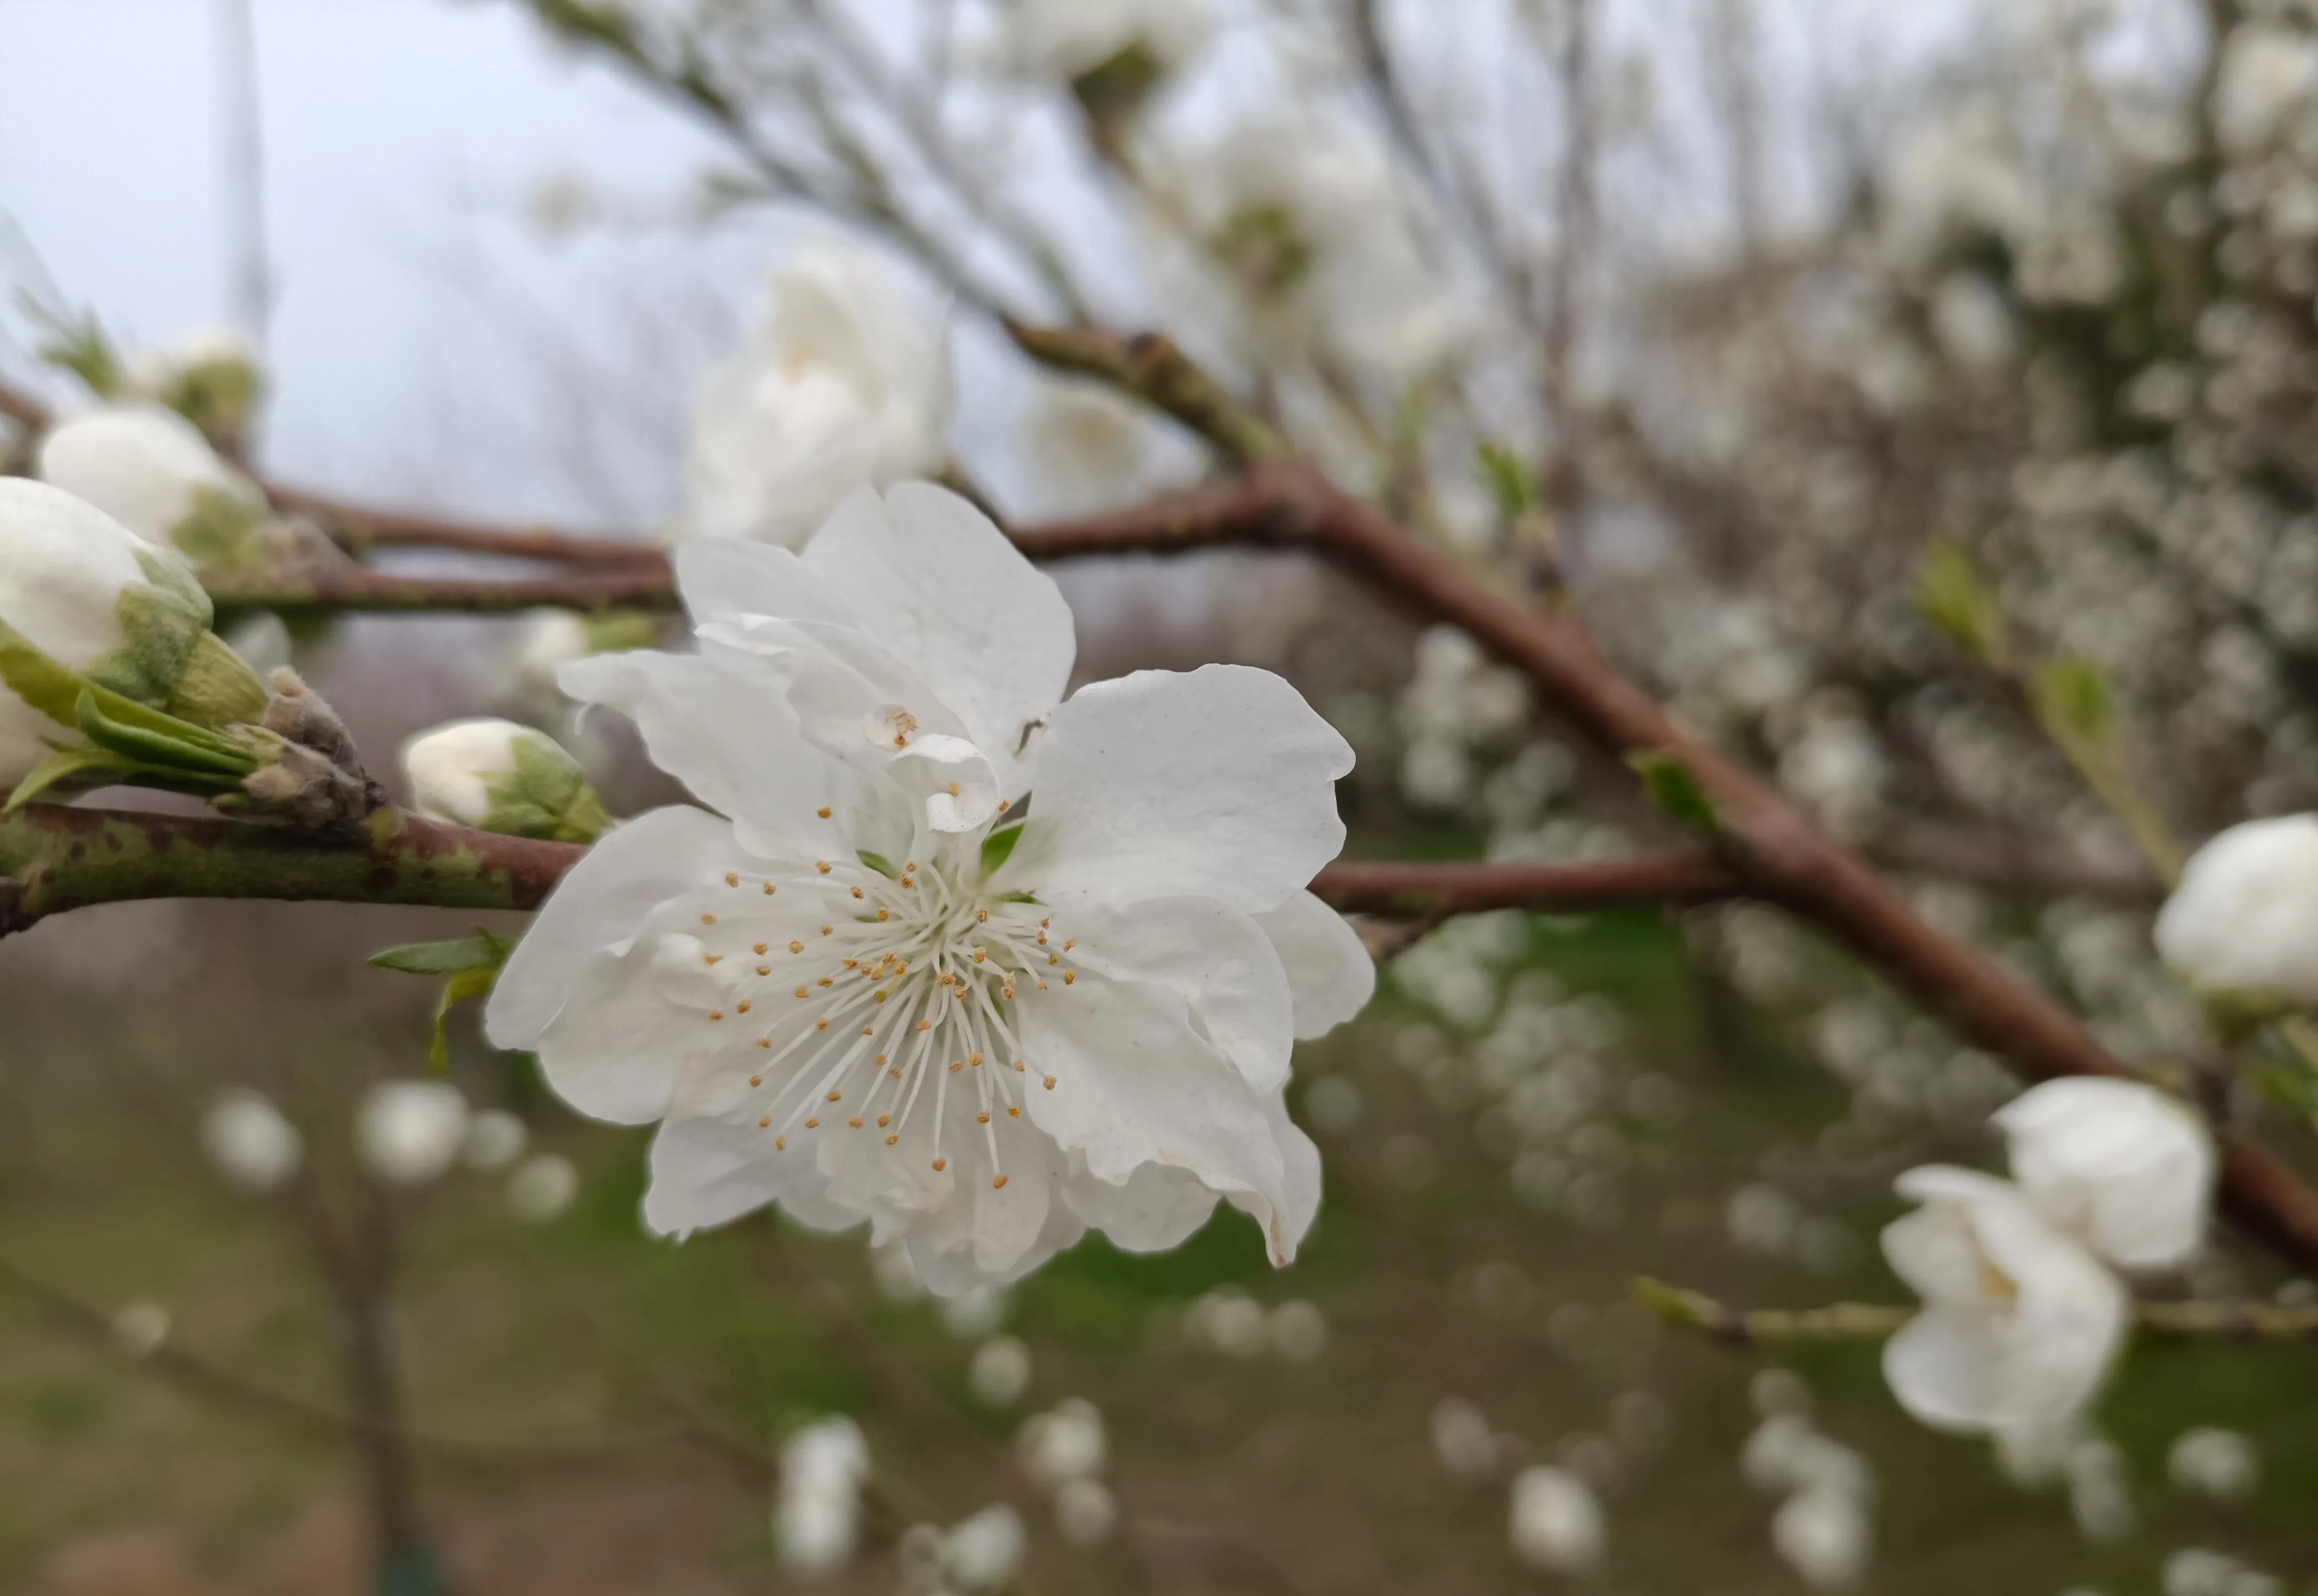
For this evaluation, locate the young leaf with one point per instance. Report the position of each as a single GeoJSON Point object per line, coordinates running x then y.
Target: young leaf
{"type": "Point", "coordinates": [443, 958]}
{"type": "Point", "coordinates": [1951, 595]}
{"type": "Point", "coordinates": [1674, 789]}
{"type": "Point", "coordinates": [161, 748]}
{"type": "Point", "coordinates": [475, 982]}
{"type": "Point", "coordinates": [2074, 693]}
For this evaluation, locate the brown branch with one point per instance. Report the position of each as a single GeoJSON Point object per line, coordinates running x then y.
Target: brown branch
{"type": "Point", "coordinates": [1419, 891]}
{"type": "Point", "coordinates": [359, 529]}
{"type": "Point", "coordinates": [637, 584]}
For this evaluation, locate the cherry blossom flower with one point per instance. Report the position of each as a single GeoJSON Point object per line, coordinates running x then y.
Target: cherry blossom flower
{"type": "Point", "coordinates": [844, 381]}
{"type": "Point", "coordinates": [2121, 1166]}
{"type": "Point", "coordinates": [864, 988]}
{"type": "Point", "coordinates": [2020, 1323]}
{"type": "Point", "coordinates": [2243, 923]}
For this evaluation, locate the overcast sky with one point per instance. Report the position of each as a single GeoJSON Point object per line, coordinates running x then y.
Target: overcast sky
{"type": "Point", "coordinates": [423, 330]}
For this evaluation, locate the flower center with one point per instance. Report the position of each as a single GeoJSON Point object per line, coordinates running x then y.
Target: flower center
{"type": "Point", "coordinates": [906, 994]}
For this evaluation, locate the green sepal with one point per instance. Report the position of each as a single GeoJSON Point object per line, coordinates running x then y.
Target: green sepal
{"type": "Point", "coordinates": [1265, 245]}
{"type": "Point", "coordinates": [158, 748]}
{"type": "Point", "coordinates": [546, 795]}
{"type": "Point", "coordinates": [443, 958]}
{"type": "Point", "coordinates": [1674, 789]}
{"type": "Point", "coordinates": [217, 687]}
{"type": "Point", "coordinates": [1510, 480]}
{"type": "Point", "coordinates": [224, 530]}
{"type": "Point", "coordinates": [1018, 897]}
{"type": "Point", "coordinates": [78, 344]}
{"type": "Point", "coordinates": [879, 862]}
{"type": "Point", "coordinates": [999, 847]}
{"type": "Point", "coordinates": [56, 692]}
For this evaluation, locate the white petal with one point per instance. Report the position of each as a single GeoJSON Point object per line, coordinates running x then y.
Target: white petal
{"type": "Point", "coordinates": [1947, 1367]}
{"type": "Point", "coordinates": [952, 777]}
{"type": "Point", "coordinates": [605, 900]}
{"type": "Point", "coordinates": [726, 733]}
{"type": "Point", "coordinates": [2125, 1167]}
{"type": "Point", "coordinates": [1135, 1085]}
{"type": "Point", "coordinates": [1218, 784]}
{"type": "Point", "coordinates": [957, 603]}
{"type": "Point", "coordinates": [709, 1170]}
{"type": "Point", "coordinates": [1287, 1212]}
{"type": "Point", "coordinates": [1155, 1210]}
{"type": "Point", "coordinates": [617, 1047]}
{"type": "Point", "coordinates": [1212, 956]}
{"type": "Point", "coordinates": [2245, 918]}
{"type": "Point", "coordinates": [1329, 969]}
{"type": "Point", "coordinates": [723, 577]}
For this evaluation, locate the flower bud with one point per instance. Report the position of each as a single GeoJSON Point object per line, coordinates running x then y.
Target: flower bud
{"type": "Point", "coordinates": [87, 593]}
{"type": "Point", "coordinates": [249, 1142]}
{"type": "Point", "coordinates": [408, 1132]}
{"type": "Point", "coordinates": [152, 470]}
{"type": "Point", "coordinates": [2243, 926]}
{"type": "Point", "coordinates": [542, 1187]}
{"type": "Point", "coordinates": [497, 775]}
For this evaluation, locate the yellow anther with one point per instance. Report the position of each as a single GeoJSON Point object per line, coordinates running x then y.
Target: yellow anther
{"type": "Point", "coordinates": [856, 892]}
{"type": "Point", "coordinates": [1013, 1113]}
{"type": "Point", "coordinates": [765, 1042]}
{"type": "Point", "coordinates": [925, 1025]}
{"type": "Point", "coordinates": [870, 1030]}
{"type": "Point", "coordinates": [716, 1013]}
{"type": "Point", "coordinates": [769, 889]}
{"type": "Point", "coordinates": [891, 1139]}
{"type": "Point", "coordinates": [974, 1059]}
{"type": "Point", "coordinates": [826, 980]}
{"type": "Point", "coordinates": [910, 868]}
{"type": "Point", "coordinates": [796, 946]}
{"type": "Point", "coordinates": [764, 969]}
{"type": "Point", "coordinates": [822, 812]}
{"type": "Point", "coordinates": [1042, 940]}
{"type": "Point", "coordinates": [831, 930]}
{"type": "Point", "coordinates": [1053, 958]}
{"type": "Point", "coordinates": [884, 915]}
{"type": "Point", "coordinates": [980, 917]}
{"type": "Point", "coordinates": [712, 958]}
{"type": "Point", "coordinates": [983, 1117]}
{"type": "Point", "coordinates": [760, 947]}
{"type": "Point", "coordinates": [812, 1124]}
{"type": "Point", "coordinates": [997, 1182]}
{"type": "Point", "coordinates": [731, 878]}
{"type": "Point", "coordinates": [1069, 976]}
{"type": "Point", "coordinates": [940, 1164]}
{"type": "Point", "coordinates": [837, 1097]}
{"type": "Point", "coordinates": [1018, 1066]}
{"type": "Point", "coordinates": [820, 1025]}
{"type": "Point", "coordinates": [741, 1007]}
{"type": "Point", "coordinates": [755, 1080]}
{"type": "Point", "coordinates": [1006, 991]}
{"type": "Point", "coordinates": [953, 789]}
{"type": "Point", "coordinates": [1004, 805]}
{"type": "Point", "coordinates": [1049, 1083]}
{"type": "Point", "coordinates": [877, 998]}
{"type": "Point", "coordinates": [881, 1060]}
{"type": "Point", "coordinates": [1045, 923]}
{"type": "Point", "coordinates": [884, 1120]}
{"type": "Point", "coordinates": [955, 1065]}
{"type": "Point", "coordinates": [1069, 943]}
{"type": "Point", "coordinates": [981, 954]}
{"type": "Point", "coordinates": [804, 991]}
{"type": "Point", "coordinates": [707, 919]}
{"type": "Point", "coordinates": [854, 1122]}
{"type": "Point", "coordinates": [821, 865]}
{"type": "Point", "coordinates": [780, 1144]}
{"type": "Point", "coordinates": [766, 1123]}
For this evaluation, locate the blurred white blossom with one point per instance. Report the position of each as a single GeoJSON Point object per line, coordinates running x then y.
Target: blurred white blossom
{"type": "Point", "coordinates": [1556, 1521]}
{"type": "Point", "coordinates": [407, 1131]}
{"type": "Point", "coordinates": [541, 1187]}
{"type": "Point", "coordinates": [2243, 923]}
{"type": "Point", "coordinates": [249, 1143]}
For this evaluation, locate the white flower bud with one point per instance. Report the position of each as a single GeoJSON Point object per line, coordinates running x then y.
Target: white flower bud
{"type": "Point", "coordinates": [495, 1139]}
{"type": "Point", "coordinates": [1462, 1439]}
{"type": "Point", "coordinates": [816, 1514]}
{"type": "Point", "coordinates": [249, 1143]}
{"type": "Point", "coordinates": [95, 599]}
{"type": "Point", "coordinates": [1086, 1512]}
{"type": "Point", "coordinates": [2243, 923]}
{"type": "Point", "coordinates": [543, 1188]}
{"type": "Point", "coordinates": [498, 775]}
{"type": "Point", "coordinates": [408, 1132]}
{"type": "Point", "coordinates": [984, 1550]}
{"type": "Point", "coordinates": [152, 470]}
{"type": "Point", "coordinates": [1825, 1535]}
{"type": "Point", "coordinates": [2119, 1165]}
{"type": "Point", "coordinates": [1066, 1442]}
{"type": "Point", "coordinates": [1557, 1521]}
{"type": "Point", "coordinates": [1000, 1371]}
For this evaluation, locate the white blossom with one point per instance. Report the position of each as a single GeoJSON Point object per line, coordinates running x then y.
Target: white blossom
{"type": "Point", "coordinates": [1462, 1439]}
{"type": "Point", "coordinates": [1086, 1512]}
{"type": "Point", "coordinates": [249, 1143]}
{"type": "Point", "coordinates": [844, 382]}
{"type": "Point", "coordinates": [150, 469]}
{"type": "Point", "coordinates": [1071, 38]}
{"type": "Point", "coordinates": [1299, 1330]}
{"type": "Point", "coordinates": [140, 1327]}
{"type": "Point", "coordinates": [2243, 922]}
{"type": "Point", "coordinates": [1066, 1442]}
{"type": "Point", "coordinates": [1000, 1371]}
{"type": "Point", "coordinates": [2020, 1323]}
{"type": "Point", "coordinates": [860, 992]}
{"type": "Point", "coordinates": [2123, 1167]}
{"type": "Point", "coordinates": [984, 1550]}
{"type": "Point", "coordinates": [817, 1509]}
{"type": "Point", "coordinates": [408, 1132]}
{"type": "Point", "coordinates": [1557, 1521]}
{"type": "Point", "coordinates": [1825, 1535]}
{"type": "Point", "coordinates": [2214, 1462]}
{"type": "Point", "coordinates": [2266, 77]}
{"type": "Point", "coordinates": [97, 599]}
{"type": "Point", "coordinates": [541, 1187]}
{"type": "Point", "coordinates": [495, 1139]}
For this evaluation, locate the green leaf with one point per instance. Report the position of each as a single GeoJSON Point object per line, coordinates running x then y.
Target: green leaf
{"type": "Point", "coordinates": [56, 692]}
{"type": "Point", "coordinates": [67, 766]}
{"type": "Point", "coordinates": [2074, 694]}
{"type": "Point", "coordinates": [443, 958]}
{"type": "Point", "coordinates": [1674, 789]}
{"type": "Point", "coordinates": [880, 863]}
{"type": "Point", "coordinates": [1951, 595]}
{"type": "Point", "coordinates": [160, 748]}
{"type": "Point", "coordinates": [1510, 480]}
{"type": "Point", "coordinates": [999, 847]}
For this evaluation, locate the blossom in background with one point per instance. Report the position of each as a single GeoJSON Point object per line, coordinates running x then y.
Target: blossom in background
{"type": "Point", "coordinates": [2122, 1166]}
{"type": "Point", "coordinates": [2242, 924]}
{"type": "Point", "coordinates": [209, 375]}
{"type": "Point", "coordinates": [498, 776]}
{"type": "Point", "coordinates": [817, 1509]}
{"type": "Point", "coordinates": [862, 990]}
{"type": "Point", "coordinates": [984, 1550]}
{"type": "Point", "coordinates": [1557, 1521]}
{"type": "Point", "coordinates": [1139, 41]}
{"type": "Point", "coordinates": [408, 1132]}
{"type": "Point", "coordinates": [1825, 1535]}
{"type": "Point", "coordinates": [1066, 1442]}
{"type": "Point", "coordinates": [541, 1187]}
{"type": "Point", "coordinates": [249, 1143]}
{"type": "Point", "coordinates": [97, 599]}
{"type": "Point", "coordinates": [152, 470]}
{"type": "Point", "coordinates": [1000, 1371]}
{"type": "Point", "coordinates": [2266, 78]}
{"type": "Point", "coordinates": [2020, 1323]}
{"type": "Point", "coordinates": [495, 1139]}
{"type": "Point", "coordinates": [844, 382]}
